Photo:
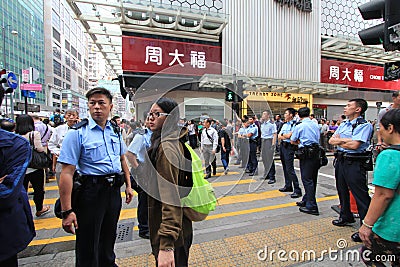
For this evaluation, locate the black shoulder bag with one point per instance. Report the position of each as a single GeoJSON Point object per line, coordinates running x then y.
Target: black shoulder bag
{"type": "Point", "coordinates": [40, 160]}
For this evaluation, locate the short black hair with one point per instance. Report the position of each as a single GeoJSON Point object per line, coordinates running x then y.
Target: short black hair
{"type": "Point", "coordinates": [360, 103]}
{"type": "Point", "coordinates": [392, 117]}
{"type": "Point", "coordinates": [291, 111]}
{"type": "Point", "coordinates": [115, 117]}
{"type": "Point", "coordinates": [24, 125]}
{"type": "Point", "coordinates": [395, 94]}
{"type": "Point", "coordinates": [7, 125]}
{"type": "Point", "coordinates": [304, 112]}
{"type": "Point", "coordinates": [99, 90]}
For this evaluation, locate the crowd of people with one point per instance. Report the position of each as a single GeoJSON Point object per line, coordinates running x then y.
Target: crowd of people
{"type": "Point", "coordinates": [92, 158]}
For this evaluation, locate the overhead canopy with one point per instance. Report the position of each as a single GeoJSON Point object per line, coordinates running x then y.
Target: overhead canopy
{"type": "Point", "coordinates": [349, 48]}
{"type": "Point", "coordinates": [105, 21]}
{"type": "Point", "coordinates": [274, 85]}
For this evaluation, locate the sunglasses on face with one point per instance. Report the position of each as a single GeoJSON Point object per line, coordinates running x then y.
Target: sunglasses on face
{"type": "Point", "coordinates": [156, 114]}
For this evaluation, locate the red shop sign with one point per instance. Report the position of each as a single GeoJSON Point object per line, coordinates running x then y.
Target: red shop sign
{"type": "Point", "coordinates": [355, 75]}
{"type": "Point", "coordinates": [153, 55]}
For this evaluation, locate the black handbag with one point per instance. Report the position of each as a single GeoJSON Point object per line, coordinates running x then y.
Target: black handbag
{"type": "Point", "coordinates": [40, 160]}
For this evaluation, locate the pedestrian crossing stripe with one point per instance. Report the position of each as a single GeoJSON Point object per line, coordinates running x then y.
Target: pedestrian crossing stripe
{"type": "Point", "coordinates": [132, 213]}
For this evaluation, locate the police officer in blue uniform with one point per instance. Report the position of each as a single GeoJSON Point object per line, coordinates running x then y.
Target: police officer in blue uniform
{"type": "Point", "coordinates": [351, 162]}
{"type": "Point", "coordinates": [306, 136]}
{"type": "Point", "coordinates": [268, 140]}
{"type": "Point", "coordinates": [252, 134]}
{"type": "Point", "coordinates": [287, 154]}
{"type": "Point", "coordinates": [136, 155]}
{"type": "Point", "coordinates": [96, 149]}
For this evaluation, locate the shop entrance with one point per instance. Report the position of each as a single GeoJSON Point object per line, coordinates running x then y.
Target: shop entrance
{"type": "Point", "coordinates": [257, 107]}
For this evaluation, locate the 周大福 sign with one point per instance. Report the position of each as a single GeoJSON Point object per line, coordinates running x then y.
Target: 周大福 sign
{"type": "Point", "coordinates": [355, 75]}
{"type": "Point", "coordinates": [150, 55]}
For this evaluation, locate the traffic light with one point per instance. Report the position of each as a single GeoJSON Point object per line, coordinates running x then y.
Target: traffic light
{"type": "Point", "coordinates": [240, 95]}
{"type": "Point", "coordinates": [3, 80]}
{"type": "Point", "coordinates": [229, 93]}
{"type": "Point", "coordinates": [386, 32]}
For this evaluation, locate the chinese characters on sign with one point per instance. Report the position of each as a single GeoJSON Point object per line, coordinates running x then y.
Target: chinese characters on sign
{"type": "Point", "coordinates": [154, 55]}
{"type": "Point", "coordinates": [279, 97]}
{"type": "Point", "coordinates": [355, 75]}
{"type": "Point", "coordinates": [335, 73]}
{"type": "Point", "coordinates": [302, 5]}
{"type": "Point", "coordinates": [167, 56]}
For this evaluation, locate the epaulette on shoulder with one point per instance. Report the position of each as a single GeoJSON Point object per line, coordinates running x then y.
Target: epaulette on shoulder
{"type": "Point", "coordinates": [80, 124]}
{"type": "Point", "coordinates": [297, 123]}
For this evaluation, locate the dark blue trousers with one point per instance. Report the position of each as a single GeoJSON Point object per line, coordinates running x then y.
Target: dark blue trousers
{"type": "Point", "coordinates": [253, 163]}
{"type": "Point", "coordinates": [287, 159]}
{"type": "Point", "coordinates": [352, 175]}
{"type": "Point", "coordinates": [309, 173]}
{"type": "Point", "coordinates": [143, 213]}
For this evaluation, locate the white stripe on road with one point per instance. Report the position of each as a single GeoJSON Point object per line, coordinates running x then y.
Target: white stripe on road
{"type": "Point", "coordinates": [319, 173]}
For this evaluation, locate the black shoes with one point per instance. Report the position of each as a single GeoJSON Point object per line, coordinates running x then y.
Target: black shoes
{"type": "Point", "coordinates": [340, 222]}
{"type": "Point", "coordinates": [253, 173]}
{"type": "Point", "coordinates": [271, 181]}
{"type": "Point", "coordinates": [295, 195]}
{"type": "Point", "coordinates": [145, 235]}
{"type": "Point", "coordinates": [247, 171]}
{"type": "Point", "coordinates": [208, 176]}
{"type": "Point", "coordinates": [286, 189]}
{"type": "Point", "coordinates": [308, 211]}
{"type": "Point", "coordinates": [356, 237]}
{"type": "Point", "coordinates": [301, 204]}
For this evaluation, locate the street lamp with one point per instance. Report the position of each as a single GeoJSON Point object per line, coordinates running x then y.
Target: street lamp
{"type": "Point", "coordinates": [15, 33]}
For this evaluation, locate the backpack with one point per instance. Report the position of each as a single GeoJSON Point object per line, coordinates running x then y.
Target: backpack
{"type": "Point", "coordinates": [201, 199]}
{"type": "Point", "coordinates": [57, 119]}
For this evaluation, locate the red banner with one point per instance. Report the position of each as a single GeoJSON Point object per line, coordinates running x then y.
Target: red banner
{"type": "Point", "coordinates": [153, 55]}
{"type": "Point", "coordinates": [355, 75]}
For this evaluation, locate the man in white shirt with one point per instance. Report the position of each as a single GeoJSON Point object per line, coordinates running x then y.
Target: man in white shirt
{"type": "Point", "coordinates": [209, 143]}
{"type": "Point", "coordinates": [55, 142]}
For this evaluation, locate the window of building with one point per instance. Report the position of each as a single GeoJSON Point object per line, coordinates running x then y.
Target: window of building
{"type": "Point", "coordinates": [73, 64]}
{"type": "Point", "coordinates": [73, 51]}
{"type": "Point", "coordinates": [68, 74]}
{"type": "Point", "coordinates": [56, 67]}
{"type": "Point", "coordinates": [55, 18]}
{"type": "Point", "coordinates": [56, 105]}
{"type": "Point", "coordinates": [67, 86]}
{"type": "Point", "coordinates": [57, 82]}
{"type": "Point", "coordinates": [56, 35]}
{"type": "Point", "coordinates": [56, 5]}
{"type": "Point", "coordinates": [67, 60]}
{"type": "Point", "coordinates": [79, 57]}
{"type": "Point", "coordinates": [67, 45]}
{"type": "Point", "coordinates": [56, 96]}
{"type": "Point", "coordinates": [57, 51]}
{"type": "Point", "coordinates": [63, 72]}
{"type": "Point", "coordinates": [86, 63]}
{"type": "Point", "coordinates": [80, 82]}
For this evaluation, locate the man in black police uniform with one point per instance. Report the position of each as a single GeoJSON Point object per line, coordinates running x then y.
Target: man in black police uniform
{"type": "Point", "coordinates": [352, 138]}
{"type": "Point", "coordinates": [306, 136]}
{"type": "Point", "coordinates": [96, 148]}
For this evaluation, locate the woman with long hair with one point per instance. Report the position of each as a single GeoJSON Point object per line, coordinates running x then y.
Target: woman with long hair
{"type": "Point", "coordinates": [26, 128]}
{"type": "Point", "coordinates": [171, 232]}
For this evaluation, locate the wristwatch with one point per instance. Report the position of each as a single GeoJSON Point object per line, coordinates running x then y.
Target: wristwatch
{"type": "Point", "coordinates": [65, 213]}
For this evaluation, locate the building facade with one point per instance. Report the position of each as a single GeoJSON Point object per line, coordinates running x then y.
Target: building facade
{"type": "Point", "coordinates": [25, 47]}
{"type": "Point", "coordinates": [66, 57]}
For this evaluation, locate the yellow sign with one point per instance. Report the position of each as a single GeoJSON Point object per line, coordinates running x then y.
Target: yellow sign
{"type": "Point", "coordinates": [278, 97]}
{"type": "Point", "coordinates": [64, 101]}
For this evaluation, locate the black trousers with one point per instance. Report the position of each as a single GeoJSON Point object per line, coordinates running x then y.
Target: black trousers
{"type": "Point", "coordinates": [267, 155]}
{"type": "Point", "coordinates": [143, 213]}
{"type": "Point", "coordinates": [10, 262]}
{"type": "Point", "coordinates": [287, 159]}
{"type": "Point", "coordinates": [309, 173]}
{"type": "Point", "coordinates": [98, 210]}
{"type": "Point", "coordinates": [352, 175]}
{"type": "Point", "coordinates": [253, 163]}
{"type": "Point", "coordinates": [37, 180]}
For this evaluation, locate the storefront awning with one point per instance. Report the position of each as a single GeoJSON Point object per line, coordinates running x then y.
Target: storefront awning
{"type": "Point", "coordinates": [351, 48]}
{"type": "Point", "coordinates": [274, 85]}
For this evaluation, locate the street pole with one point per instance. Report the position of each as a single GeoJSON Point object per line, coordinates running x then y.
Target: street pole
{"type": "Point", "coordinates": [234, 107]}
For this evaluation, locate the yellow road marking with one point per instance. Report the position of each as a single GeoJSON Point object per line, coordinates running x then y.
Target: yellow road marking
{"type": "Point", "coordinates": [225, 200]}
{"type": "Point", "coordinates": [131, 213]}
